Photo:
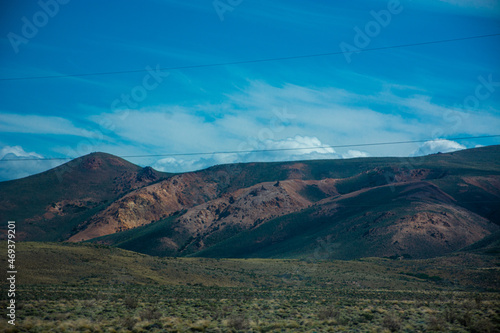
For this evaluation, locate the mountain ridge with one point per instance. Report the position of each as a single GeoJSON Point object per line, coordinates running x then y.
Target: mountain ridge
{"type": "Point", "coordinates": [453, 198]}
{"type": "Point", "coordinates": [62, 196]}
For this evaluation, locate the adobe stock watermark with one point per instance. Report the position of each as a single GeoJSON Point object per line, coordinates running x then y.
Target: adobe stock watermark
{"type": "Point", "coordinates": [472, 102]}
{"type": "Point", "coordinates": [223, 6]}
{"type": "Point", "coordinates": [120, 106]}
{"type": "Point", "coordinates": [277, 124]}
{"type": "Point", "coordinates": [482, 92]}
{"type": "Point", "coordinates": [372, 29]}
{"type": "Point", "coordinates": [455, 117]}
{"type": "Point", "coordinates": [11, 271]}
{"type": "Point", "coordinates": [136, 95]}
{"type": "Point", "coordinates": [31, 26]}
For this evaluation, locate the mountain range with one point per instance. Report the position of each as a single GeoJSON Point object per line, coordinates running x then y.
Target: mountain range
{"type": "Point", "coordinates": [419, 207]}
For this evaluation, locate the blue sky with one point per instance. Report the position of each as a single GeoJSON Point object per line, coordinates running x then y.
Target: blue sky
{"type": "Point", "coordinates": [435, 91]}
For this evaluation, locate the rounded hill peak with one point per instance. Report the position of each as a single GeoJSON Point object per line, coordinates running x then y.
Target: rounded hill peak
{"type": "Point", "coordinates": [91, 163]}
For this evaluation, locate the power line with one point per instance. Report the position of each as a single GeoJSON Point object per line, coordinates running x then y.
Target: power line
{"type": "Point", "coordinates": [251, 61]}
{"type": "Point", "coordinates": [264, 150]}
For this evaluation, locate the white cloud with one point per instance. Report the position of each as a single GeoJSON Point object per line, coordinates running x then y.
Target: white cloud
{"type": "Point", "coordinates": [172, 164]}
{"type": "Point", "coordinates": [9, 152]}
{"type": "Point", "coordinates": [289, 149]}
{"type": "Point", "coordinates": [304, 143]}
{"type": "Point", "coordinates": [262, 116]}
{"type": "Point", "coordinates": [16, 163]}
{"type": "Point", "coordinates": [438, 146]}
{"type": "Point", "coordinates": [355, 154]}
{"type": "Point", "coordinates": [186, 164]}
{"type": "Point", "coordinates": [292, 149]}
{"type": "Point", "coordinates": [34, 124]}
{"type": "Point", "coordinates": [168, 129]}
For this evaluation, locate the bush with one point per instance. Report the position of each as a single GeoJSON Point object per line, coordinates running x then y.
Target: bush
{"type": "Point", "coordinates": [238, 322]}
{"type": "Point", "coordinates": [436, 324]}
{"type": "Point", "coordinates": [151, 314]}
{"type": "Point", "coordinates": [131, 302]}
{"type": "Point", "coordinates": [392, 323]}
{"type": "Point", "coordinates": [328, 313]}
{"type": "Point", "coordinates": [465, 319]}
{"type": "Point", "coordinates": [129, 323]}
{"type": "Point", "coordinates": [483, 325]}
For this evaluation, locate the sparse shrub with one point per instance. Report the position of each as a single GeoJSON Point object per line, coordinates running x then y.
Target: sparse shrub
{"type": "Point", "coordinates": [131, 302]}
{"type": "Point", "coordinates": [465, 319]}
{"type": "Point", "coordinates": [200, 326]}
{"type": "Point", "coordinates": [129, 323]}
{"type": "Point", "coordinates": [226, 309]}
{"type": "Point", "coordinates": [436, 324]}
{"type": "Point", "coordinates": [217, 313]}
{"type": "Point", "coordinates": [90, 303]}
{"type": "Point", "coordinates": [478, 298]}
{"type": "Point", "coordinates": [152, 327]}
{"type": "Point", "coordinates": [450, 314]}
{"type": "Point", "coordinates": [483, 325]}
{"type": "Point", "coordinates": [366, 316]}
{"type": "Point", "coordinates": [151, 314]}
{"type": "Point", "coordinates": [469, 305]}
{"type": "Point", "coordinates": [328, 313]}
{"type": "Point", "coordinates": [238, 322]}
{"type": "Point", "coordinates": [392, 323]}
{"type": "Point", "coordinates": [20, 305]}
{"type": "Point", "coordinates": [101, 296]}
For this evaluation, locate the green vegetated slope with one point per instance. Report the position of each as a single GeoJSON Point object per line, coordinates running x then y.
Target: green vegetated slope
{"type": "Point", "coordinates": [64, 287]}
{"type": "Point", "coordinates": [490, 245]}
{"type": "Point", "coordinates": [47, 206]}
{"type": "Point", "coordinates": [80, 264]}
{"type": "Point", "coordinates": [146, 239]}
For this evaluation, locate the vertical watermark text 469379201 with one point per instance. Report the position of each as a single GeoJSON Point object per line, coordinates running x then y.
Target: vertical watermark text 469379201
{"type": "Point", "coordinates": [11, 272]}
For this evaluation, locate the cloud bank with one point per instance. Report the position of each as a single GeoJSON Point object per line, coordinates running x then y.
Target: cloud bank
{"type": "Point", "coordinates": [438, 146]}
{"type": "Point", "coordinates": [289, 149]}
{"type": "Point", "coordinates": [12, 165]}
